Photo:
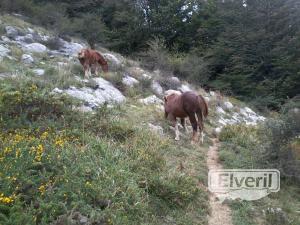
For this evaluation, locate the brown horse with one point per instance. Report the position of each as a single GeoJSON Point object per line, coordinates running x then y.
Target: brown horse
{"type": "Point", "coordinates": [91, 59]}
{"type": "Point", "coordinates": [188, 104]}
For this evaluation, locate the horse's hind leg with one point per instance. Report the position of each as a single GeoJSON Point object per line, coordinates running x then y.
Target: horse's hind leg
{"type": "Point", "coordinates": [194, 125]}
{"type": "Point", "coordinates": [182, 121]}
{"type": "Point", "coordinates": [201, 126]}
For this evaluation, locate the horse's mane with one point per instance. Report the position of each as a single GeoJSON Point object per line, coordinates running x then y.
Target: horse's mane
{"type": "Point", "coordinates": [205, 111]}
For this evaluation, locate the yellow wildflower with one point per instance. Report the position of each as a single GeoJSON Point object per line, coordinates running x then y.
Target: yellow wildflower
{"type": "Point", "coordinates": [44, 135]}
{"type": "Point", "coordinates": [42, 189]}
{"type": "Point", "coordinates": [59, 142]}
{"type": "Point", "coordinates": [39, 152]}
{"type": "Point", "coordinates": [6, 200]}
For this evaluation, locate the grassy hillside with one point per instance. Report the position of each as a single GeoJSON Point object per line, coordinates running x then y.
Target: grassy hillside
{"type": "Point", "coordinates": [62, 166]}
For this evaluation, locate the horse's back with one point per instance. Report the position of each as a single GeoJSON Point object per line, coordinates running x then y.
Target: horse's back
{"type": "Point", "coordinates": [190, 102]}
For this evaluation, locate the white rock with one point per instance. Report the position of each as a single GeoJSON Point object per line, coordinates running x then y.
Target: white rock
{"type": "Point", "coordinates": [70, 48]}
{"type": "Point", "coordinates": [250, 111]}
{"type": "Point", "coordinates": [35, 47]}
{"type": "Point", "coordinates": [212, 93]}
{"type": "Point", "coordinates": [146, 76]}
{"type": "Point", "coordinates": [108, 91]}
{"type": "Point", "coordinates": [153, 99]}
{"type": "Point", "coordinates": [39, 72]}
{"type": "Point", "coordinates": [228, 105]}
{"type": "Point", "coordinates": [83, 108]}
{"type": "Point", "coordinates": [11, 32]}
{"type": "Point", "coordinates": [156, 129]}
{"type": "Point", "coordinates": [27, 59]}
{"type": "Point", "coordinates": [4, 51]}
{"type": "Point", "coordinates": [113, 59]}
{"type": "Point", "coordinates": [157, 88]}
{"type": "Point", "coordinates": [219, 110]}
{"type": "Point", "coordinates": [185, 88]}
{"type": "Point", "coordinates": [175, 79]}
{"type": "Point", "coordinates": [57, 91]}
{"type": "Point", "coordinates": [105, 93]}
{"type": "Point", "coordinates": [5, 39]}
{"type": "Point", "coordinates": [62, 64]}
{"type": "Point", "coordinates": [218, 130]}
{"type": "Point", "coordinates": [30, 30]}
{"type": "Point", "coordinates": [222, 121]}
{"type": "Point", "coordinates": [28, 38]}
{"type": "Point", "coordinates": [129, 81]}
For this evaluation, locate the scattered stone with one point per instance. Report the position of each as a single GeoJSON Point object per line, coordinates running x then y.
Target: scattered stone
{"type": "Point", "coordinates": [35, 47]}
{"type": "Point", "coordinates": [30, 30]}
{"type": "Point", "coordinates": [156, 129]}
{"type": "Point", "coordinates": [62, 64]}
{"type": "Point", "coordinates": [218, 130]}
{"type": "Point", "coordinates": [112, 59]}
{"type": "Point", "coordinates": [11, 32]}
{"type": "Point", "coordinates": [175, 79]}
{"type": "Point", "coordinates": [146, 76]}
{"type": "Point", "coordinates": [27, 59]}
{"type": "Point", "coordinates": [185, 88]}
{"type": "Point", "coordinates": [4, 51]}
{"type": "Point", "coordinates": [129, 81]}
{"type": "Point", "coordinates": [39, 72]}
{"type": "Point", "coordinates": [157, 88]}
{"type": "Point", "coordinates": [153, 99]}
{"type": "Point", "coordinates": [27, 39]}
{"type": "Point", "coordinates": [70, 48]}
{"type": "Point", "coordinates": [5, 39]}
{"type": "Point", "coordinates": [57, 91]}
{"type": "Point", "coordinates": [212, 93]}
{"type": "Point", "coordinates": [219, 110]}
{"type": "Point", "coordinates": [228, 105]}
{"type": "Point", "coordinates": [104, 93]}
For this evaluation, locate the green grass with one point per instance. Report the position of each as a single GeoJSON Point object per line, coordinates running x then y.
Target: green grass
{"type": "Point", "coordinates": [241, 147]}
{"type": "Point", "coordinates": [106, 166]}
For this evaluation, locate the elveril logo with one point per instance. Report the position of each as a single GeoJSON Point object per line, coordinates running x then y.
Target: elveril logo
{"type": "Point", "coordinates": [251, 184]}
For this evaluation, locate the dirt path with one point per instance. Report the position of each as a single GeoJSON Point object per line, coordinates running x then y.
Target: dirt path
{"type": "Point", "coordinates": [220, 213]}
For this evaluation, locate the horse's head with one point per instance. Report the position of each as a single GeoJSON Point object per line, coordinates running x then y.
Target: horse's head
{"type": "Point", "coordinates": [82, 54]}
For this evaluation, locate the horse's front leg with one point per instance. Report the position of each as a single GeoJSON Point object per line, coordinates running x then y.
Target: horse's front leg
{"type": "Point", "coordinates": [182, 120]}
{"type": "Point", "coordinates": [175, 125]}
{"type": "Point", "coordinates": [177, 138]}
{"type": "Point", "coordinates": [87, 70]}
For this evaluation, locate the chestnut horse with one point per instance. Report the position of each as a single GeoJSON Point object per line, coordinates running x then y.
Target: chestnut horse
{"type": "Point", "coordinates": [91, 59]}
{"type": "Point", "coordinates": [188, 104]}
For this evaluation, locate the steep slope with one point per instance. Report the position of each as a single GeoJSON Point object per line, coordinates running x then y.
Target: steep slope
{"type": "Point", "coordinates": [128, 169]}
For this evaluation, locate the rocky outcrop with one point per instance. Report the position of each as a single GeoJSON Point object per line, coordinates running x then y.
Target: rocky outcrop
{"type": "Point", "coordinates": [129, 81]}
{"type": "Point", "coordinates": [27, 59]}
{"type": "Point", "coordinates": [4, 51]}
{"type": "Point", "coordinates": [103, 92]}
{"type": "Point", "coordinates": [35, 47]}
{"type": "Point", "coordinates": [153, 99]}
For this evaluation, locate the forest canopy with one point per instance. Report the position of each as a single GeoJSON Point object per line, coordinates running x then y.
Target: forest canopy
{"type": "Point", "coordinates": [248, 48]}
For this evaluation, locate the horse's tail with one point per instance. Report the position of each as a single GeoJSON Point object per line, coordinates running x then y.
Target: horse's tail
{"type": "Point", "coordinates": [203, 103]}
{"type": "Point", "coordinates": [102, 62]}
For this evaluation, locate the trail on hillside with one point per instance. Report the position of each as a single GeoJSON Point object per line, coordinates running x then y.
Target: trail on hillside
{"type": "Point", "coordinates": [220, 213]}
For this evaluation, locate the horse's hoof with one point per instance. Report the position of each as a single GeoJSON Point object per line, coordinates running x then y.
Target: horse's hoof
{"type": "Point", "coordinates": [177, 139]}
